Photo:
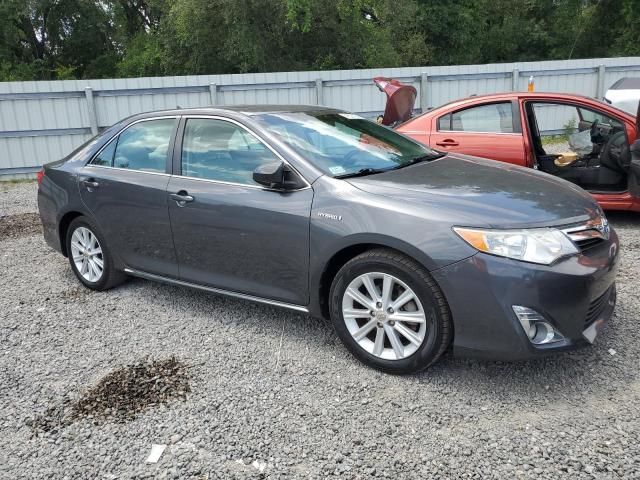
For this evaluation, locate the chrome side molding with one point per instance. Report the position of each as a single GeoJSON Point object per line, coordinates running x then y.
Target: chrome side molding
{"type": "Point", "coordinates": [228, 293]}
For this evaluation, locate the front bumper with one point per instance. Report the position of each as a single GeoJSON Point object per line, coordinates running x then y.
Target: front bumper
{"type": "Point", "coordinates": [576, 295]}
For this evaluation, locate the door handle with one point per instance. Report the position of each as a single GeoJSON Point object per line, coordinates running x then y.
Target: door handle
{"type": "Point", "coordinates": [90, 183]}
{"type": "Point", "coordinates": [447, 142]}
{"type": "Point", "coordinates": [181, 198]}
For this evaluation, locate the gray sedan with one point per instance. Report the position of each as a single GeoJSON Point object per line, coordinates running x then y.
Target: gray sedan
{"type": "Point", "coordinates": [407, 250]}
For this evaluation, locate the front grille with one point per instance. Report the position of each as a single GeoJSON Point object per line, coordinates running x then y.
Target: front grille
{"type": "Point", "coordinates": [590, 234]}
{"type": "Point", "coordinates": [588, 243]}
{"type": "Point", "coordinates": [597, 306]}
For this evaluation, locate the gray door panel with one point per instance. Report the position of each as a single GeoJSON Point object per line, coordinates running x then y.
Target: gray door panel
{"type": "Point", "coordinates": [242, 238]}
{"type": "Point", "coordinates": [634, 177]}
{"type": "Point", "coordinates": [131, 209]}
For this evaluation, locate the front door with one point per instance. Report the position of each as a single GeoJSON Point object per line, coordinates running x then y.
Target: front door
{"type": "Point", "coordinates": [125, 187]}
{"type": "Point", "coordinates": [229, 232]}
{"type": "Point", "coordinates": [634, 167]}
{"type": "Point", "coordinates": [490, 130]}
{"type": "Point", "coordinates": [582, 145]}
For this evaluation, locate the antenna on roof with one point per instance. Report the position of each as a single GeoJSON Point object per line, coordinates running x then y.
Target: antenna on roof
{"type": "Point", "coordinates": [178, 107]}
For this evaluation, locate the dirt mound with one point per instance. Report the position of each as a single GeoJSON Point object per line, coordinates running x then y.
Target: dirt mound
{"type": "Point", "coordinates": [129, 390]}
{"type": "Point", "coordinates": [121, 394]}
{"type": "Point", "coordinates": [20, 225]}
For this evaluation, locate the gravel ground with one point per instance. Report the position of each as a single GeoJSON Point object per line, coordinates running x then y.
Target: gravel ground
{"type": "Point", "coordinates": [267, 393]}
{"type": "Point", "coordinates": [16, 198]}
{"type": "Point", "coordinates": [560, 147]}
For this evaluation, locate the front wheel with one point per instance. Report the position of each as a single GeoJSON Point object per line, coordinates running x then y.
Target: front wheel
{"type": "Point", "coordinates": [90, 257]}
{"type": "Point", "coordinates": [389, 312]}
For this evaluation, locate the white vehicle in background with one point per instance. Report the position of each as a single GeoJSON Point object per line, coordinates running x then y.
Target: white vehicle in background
{"type": "Point", "coordinates": [624, 94]}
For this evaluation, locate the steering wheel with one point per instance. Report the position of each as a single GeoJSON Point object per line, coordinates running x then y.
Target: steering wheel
{"type": "Point", "coordinates": [616, 154]}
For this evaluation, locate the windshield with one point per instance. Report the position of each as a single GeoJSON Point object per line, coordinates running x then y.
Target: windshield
{"type": "Point", "coordinates": [344, 144]}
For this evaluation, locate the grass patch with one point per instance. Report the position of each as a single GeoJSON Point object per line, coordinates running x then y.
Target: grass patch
{"type": "Point", "coordinates": [554, 139]}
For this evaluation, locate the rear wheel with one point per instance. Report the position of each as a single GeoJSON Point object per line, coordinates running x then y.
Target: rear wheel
{"type": "Point", "coordinates": [389, 312]}
{"type": "Point", "coordinates": [90, 257]}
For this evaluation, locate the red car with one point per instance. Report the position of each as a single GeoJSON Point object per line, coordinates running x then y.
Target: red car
{"type": "Point", "coordinates": [577, 138]}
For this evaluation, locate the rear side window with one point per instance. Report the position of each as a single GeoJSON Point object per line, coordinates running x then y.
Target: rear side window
{"type": "Point", "coordinates": [144, 146]}
{"type": "Point", "coordinates": [222, 151]}
{"type": "Point", "coordinates": [491, 118]}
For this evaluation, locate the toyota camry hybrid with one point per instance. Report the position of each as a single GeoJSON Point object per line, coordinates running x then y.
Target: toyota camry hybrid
{"type": "Point", "coordinates": [407, 250]}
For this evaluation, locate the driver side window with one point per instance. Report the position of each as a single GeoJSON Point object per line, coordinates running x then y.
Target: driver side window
{"type": "Point", "coordinates": [222, 151]}
{"type": "Point", "coordinates": [590, 116]}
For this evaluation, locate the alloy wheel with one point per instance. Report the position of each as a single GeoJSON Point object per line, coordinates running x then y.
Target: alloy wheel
{"type": "Point", "coordinates": [87, 254]}
{"type": "Point", "coordinates": [384, 316]}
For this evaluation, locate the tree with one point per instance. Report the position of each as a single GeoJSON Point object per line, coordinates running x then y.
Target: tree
{"type": "Point", "coordinates": [48, 39]}
{"type": "Point", "coordinates": [56, 38]}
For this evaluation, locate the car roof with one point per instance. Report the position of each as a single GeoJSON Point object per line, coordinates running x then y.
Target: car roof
{"type": "Point", "coordinates": [248, 110]}
{"type": "Point", "coordinates": [626, 83]}
{"type": "Point", "coordinates": [510, 95]}
{"type": "Point", "coordinates": [507, 96]}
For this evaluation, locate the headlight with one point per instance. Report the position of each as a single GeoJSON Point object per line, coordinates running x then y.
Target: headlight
{"type": "Point", "coordinates": [537, 245]}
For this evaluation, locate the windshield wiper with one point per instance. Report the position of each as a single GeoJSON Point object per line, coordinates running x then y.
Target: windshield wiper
{"type": "Point", "coordinates": [426, 157]}
{"type": "Point", "coordinates": [422, 158]}
{"type": "Point", "coordinates": [370, 171]}
{"type": "Point", "coordinates": [362, 172]}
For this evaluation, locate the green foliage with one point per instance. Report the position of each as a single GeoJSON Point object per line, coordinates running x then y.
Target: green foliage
{"type": "Point", "coordinates": [299, 14]}
{"type": "Point", "coordinates": [570, 127]}
{"type": "Point", "coordinates": [144, 57]}
{"type": "Point", "coordinates": [59, 39]}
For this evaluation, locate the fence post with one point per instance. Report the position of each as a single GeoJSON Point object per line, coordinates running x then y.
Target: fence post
{"type": "Point", "coordinates": [600, 84]}
{"type": "Point", "coordinates": [213, 94]}
{"type": "Point", "coordinates": [424, 86]}
{"type": "Point", "coordinates": [319, 92]}
{"type": "Point", "coordinates": [91, 108]}
{"type": "Point", "coordinates": [515, 80]}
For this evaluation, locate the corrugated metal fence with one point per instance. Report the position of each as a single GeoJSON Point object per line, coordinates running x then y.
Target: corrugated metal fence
{"type": "Point", "coordinates": [43, 121]}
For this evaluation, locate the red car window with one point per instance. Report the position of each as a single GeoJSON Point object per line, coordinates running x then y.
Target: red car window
{"type": "Point", "coordinates": [489, 118]}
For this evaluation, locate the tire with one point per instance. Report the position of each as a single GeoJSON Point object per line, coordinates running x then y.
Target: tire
{"type": "Point", "coordinates": [109, 276]}
{"type": "Point", "coordinates": [408, 279]}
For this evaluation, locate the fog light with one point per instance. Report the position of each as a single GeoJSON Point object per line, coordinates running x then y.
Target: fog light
{"type": "Point", "coordinates": [538, 330]}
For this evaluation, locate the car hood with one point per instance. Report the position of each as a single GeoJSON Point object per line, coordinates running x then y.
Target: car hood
{"type": "Point", "coordinates": [474, 191]}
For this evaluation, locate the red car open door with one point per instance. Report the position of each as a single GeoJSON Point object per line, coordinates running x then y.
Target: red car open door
{"type": "Point", "coordinates": [634, 167]}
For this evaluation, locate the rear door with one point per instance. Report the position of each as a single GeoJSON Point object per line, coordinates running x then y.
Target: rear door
{"type": "Point", "coordinates": [489, 130]}
{"type": "Point", "coordinates": [125, 187]}
{"type": "Point", "coordinates": [232, 233]}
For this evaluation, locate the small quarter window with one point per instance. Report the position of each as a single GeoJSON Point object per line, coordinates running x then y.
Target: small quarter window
{"type": "Point", "coordinates": [444, 122]}
{"type": "Point", "coordinates": [105, 157]}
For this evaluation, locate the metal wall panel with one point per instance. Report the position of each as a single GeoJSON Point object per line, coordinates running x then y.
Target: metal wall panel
{"type": "Point", "coordinates": [43, 121]}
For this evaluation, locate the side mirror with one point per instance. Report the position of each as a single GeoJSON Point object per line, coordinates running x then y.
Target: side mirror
{"type": "Point", "coordinates": [278, 176]}
{"type": "Point", "coordinates": [270, 174]}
